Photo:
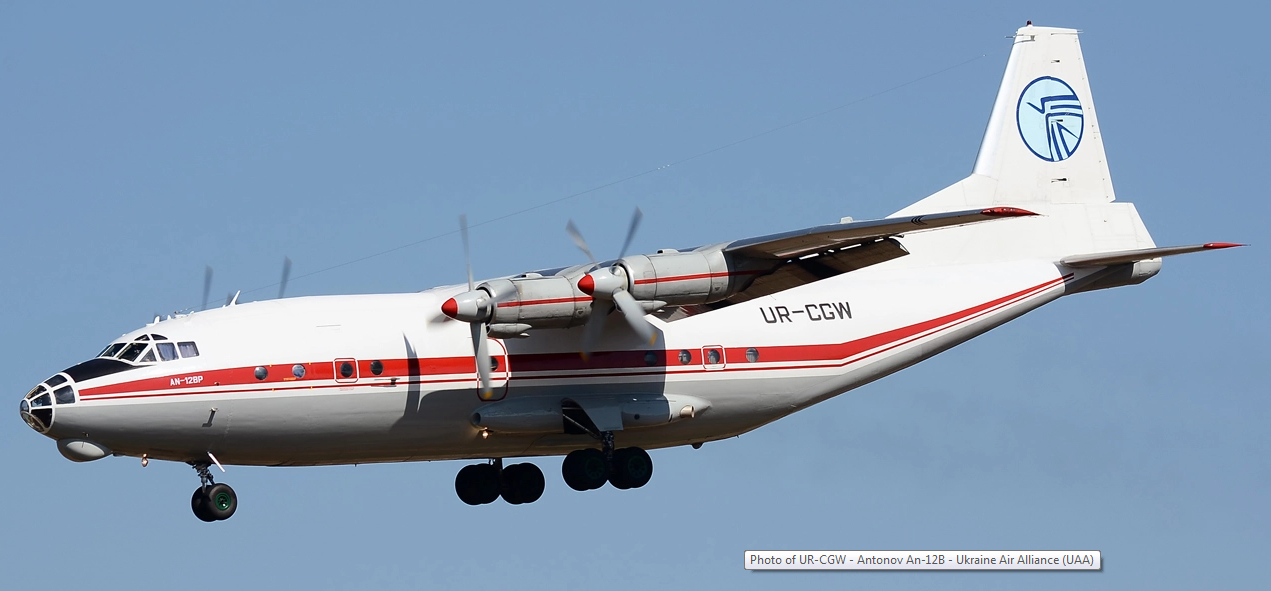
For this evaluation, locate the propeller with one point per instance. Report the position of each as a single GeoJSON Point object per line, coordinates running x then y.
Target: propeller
{"type": "Point", "coordinates": [608, 288]}
{"type": "Point", "coordinates": [207, 284]}
{"type": "Point", "coordinates": [286, 274]}
{"type": "Point", "coordinates": [476, 307]}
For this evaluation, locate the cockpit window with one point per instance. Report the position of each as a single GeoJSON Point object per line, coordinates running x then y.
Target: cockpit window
{"type": "Point", "coordinates": [144, 337]}
{"type": "Point", "coordinates": [188, 349]}
{"type": "Point", "coordinates": [65, 395]}
{"type": "Point", "coordinates": [133, 351]}
{"type": "Point", "coordinates": [167, 351]}
{"type": "Point", "coordinates": [148, 357]}
{"type": "Point", "coordinates": [112, 350]}
{"type": "Point", "coordinates": [41, 401]}
{"type": "Point", "coordinates": [55, 381]}
{"type": "Point", "coordinates": [159, 337]}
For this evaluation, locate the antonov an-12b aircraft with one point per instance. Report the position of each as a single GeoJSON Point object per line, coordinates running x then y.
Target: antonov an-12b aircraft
{"type": "Point", "coordinates": [601, 361]}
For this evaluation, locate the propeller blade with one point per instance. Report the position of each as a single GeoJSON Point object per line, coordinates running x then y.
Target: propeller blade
{"type": "Point", "coordinates": [286, 274]}
{"type": "Point", "coordinates": [467, 257]}
{"type": "Point", "coordinates": [207, 285]}
{"type": "Point", "coordinates": [634, 314]}
{"type": "Point", "coordinates": [600, 310]}
{"type": "Point", "coordinates": [481, 350]}
{"type": "Point", "coordinates": [578, 240]}
{"type": "Point", "coordinates": [635, 223]}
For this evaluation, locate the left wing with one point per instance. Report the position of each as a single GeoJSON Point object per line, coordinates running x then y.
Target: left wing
{"type": "Point", "coordinates": [799, 243]}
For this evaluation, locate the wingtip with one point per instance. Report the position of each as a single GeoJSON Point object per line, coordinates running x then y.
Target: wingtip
{"type": "Point", "coordinates": [1222, 245]}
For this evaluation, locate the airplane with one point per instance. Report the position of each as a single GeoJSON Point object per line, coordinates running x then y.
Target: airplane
{"type": "Point", "coordinates": [708, 342]}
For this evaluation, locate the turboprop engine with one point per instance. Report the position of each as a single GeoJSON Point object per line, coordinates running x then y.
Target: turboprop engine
{"type": "Point", "coordinates": [671, 277]}
{"type": "Point", "coordinates": [634, 285]}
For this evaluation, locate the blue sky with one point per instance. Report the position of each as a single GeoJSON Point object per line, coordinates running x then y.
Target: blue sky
{"type": "Point", "coordinates": [139, 143]}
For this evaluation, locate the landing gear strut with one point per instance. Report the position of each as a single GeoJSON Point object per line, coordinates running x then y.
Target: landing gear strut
{"type": "Point", "coordinates": [212, 501]}
{"type": "Point", "coordinates": [479, 484]}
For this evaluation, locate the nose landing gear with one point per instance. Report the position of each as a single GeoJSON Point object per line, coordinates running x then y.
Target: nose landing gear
{"type": "Point", "coordinates": [212, 501]}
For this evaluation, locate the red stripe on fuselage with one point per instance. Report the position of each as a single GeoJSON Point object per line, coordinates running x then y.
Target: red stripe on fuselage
{"type": "Point", "coordinates": [666, 361]}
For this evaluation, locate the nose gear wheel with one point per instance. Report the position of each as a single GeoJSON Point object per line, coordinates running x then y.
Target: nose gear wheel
{"type": "Point", "coordinates": [212, 501]}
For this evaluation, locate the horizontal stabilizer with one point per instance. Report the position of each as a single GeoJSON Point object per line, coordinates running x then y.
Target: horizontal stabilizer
{"type": "Point", "coordinates": [1104, 259]}
{"type": "Point", "coordinates": [821, 238]}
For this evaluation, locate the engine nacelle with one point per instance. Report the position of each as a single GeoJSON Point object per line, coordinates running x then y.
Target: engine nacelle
{"type": "Point", "coordinates": [685, 278]}
{"type": "Point", "coordinates": [541, 302]}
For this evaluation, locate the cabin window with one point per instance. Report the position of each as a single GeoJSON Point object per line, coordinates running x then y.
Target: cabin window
{"type": "Point", "coordinates": [298, 370]}
{"type": "Point", "coordinates": [188, 349]}
{"type": "Point", "coordinates": [167, 351]}
{"type": "Point", "coordinates": [346, 370]}
{"type": "Point", "coordinates": [261, 372]}
{"type": "Point", "coordinates": [752, 354]}
{"type": "Point", "coordinates": [685, 357]}
{"type": "Point", "coordinates": [377, 367]}
{"type": "Point", "coordinates": [651, 358]}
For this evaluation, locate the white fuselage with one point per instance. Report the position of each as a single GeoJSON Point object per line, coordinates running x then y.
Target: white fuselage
{"type": "Point", "coordinates": [778, 353]}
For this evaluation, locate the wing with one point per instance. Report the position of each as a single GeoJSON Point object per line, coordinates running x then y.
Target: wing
{"type": "Point", "coordinates": [799, 243]}
{"type": "Point", "coordinates": [1105, 259]}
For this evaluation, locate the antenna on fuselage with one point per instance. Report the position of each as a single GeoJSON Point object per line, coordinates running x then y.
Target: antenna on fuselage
{"type": "Point", "coordinates": [286, 273]}
{"type": "Point", "coordinates": [207, 284]}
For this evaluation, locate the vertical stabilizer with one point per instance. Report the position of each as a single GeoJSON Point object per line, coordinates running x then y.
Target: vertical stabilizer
{"type": "Point", "coordinates": [1042, 143]}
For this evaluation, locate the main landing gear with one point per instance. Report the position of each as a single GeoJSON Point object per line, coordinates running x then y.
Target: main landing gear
{"type": "Point", "coordinates": [583, 469]}
{"type": "Point", "coordinates": [212, 501]}
{"type": "Point", "coordinates": [589, 469]}
{"type": "Point", "coordinates": [586, 469]}
{"type": "Point", "coordinates": [480, 484]}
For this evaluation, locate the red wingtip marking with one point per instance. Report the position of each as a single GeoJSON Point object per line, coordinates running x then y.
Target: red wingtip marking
{"type": "Point", "coordinates": [1006, 212]}
{"type": "Point", "coordinates": [587, 285]}
{"type": "Point", "coordinates": [1222, 245]}
{"type": "Point", "coordinates": [450, 307]}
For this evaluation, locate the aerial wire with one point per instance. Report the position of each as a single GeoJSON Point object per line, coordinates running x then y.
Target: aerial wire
{"type": "Point", "coordinates": [637, 175]}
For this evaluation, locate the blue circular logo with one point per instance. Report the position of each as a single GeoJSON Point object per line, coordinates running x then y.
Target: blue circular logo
{"type": "Point", "coordinates": [1049, 118]}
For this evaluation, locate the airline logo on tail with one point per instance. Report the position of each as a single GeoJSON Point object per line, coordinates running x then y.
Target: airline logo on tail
{"type": "Point", "coordinates": [1049, 118]}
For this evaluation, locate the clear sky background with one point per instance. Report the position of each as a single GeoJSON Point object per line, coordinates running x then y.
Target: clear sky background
{"type": "Point", "coordinates": [140, 142]}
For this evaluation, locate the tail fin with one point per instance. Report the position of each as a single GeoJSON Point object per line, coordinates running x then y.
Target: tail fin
{"type": "Point", "coordinates": [1042, 144]}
